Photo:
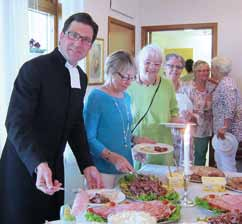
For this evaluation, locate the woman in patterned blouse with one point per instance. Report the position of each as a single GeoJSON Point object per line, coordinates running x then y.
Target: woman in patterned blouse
{"type": "Point", "coordinates": [200, 93]}
{"type": "Point", "coordinates": [227, 105]}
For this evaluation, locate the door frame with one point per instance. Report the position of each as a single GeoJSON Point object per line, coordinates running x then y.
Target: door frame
{"type": "Point", "coordinates": [124, 25]}
{"type": "Point", "coordinates": [145, 30]}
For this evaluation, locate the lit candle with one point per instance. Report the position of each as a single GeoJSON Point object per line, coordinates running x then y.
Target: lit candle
{"type": "Point", "coordinates": [187, 150]}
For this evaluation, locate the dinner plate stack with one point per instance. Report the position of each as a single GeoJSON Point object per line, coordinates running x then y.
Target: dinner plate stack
{"type": "Point", "coordinates": [225, 151]}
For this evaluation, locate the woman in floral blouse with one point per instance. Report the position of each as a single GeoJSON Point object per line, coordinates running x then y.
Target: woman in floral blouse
{"type": "Point", "coordinates": [200, 93]}
{"type": "Point", "coordinates": [227, 104]}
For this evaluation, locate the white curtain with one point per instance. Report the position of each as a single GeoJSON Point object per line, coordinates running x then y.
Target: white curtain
{"type": "Point", "coordinates": [13, 51]}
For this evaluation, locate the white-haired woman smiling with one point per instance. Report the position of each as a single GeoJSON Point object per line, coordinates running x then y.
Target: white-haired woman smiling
{"type": "Point", "coordinates": [227, 110]}
{"type": "Point", "coordinates": [153, 101]}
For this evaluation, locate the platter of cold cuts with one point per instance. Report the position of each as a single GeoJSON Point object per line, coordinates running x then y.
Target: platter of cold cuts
{"type": "Point", "coordinates": [234, 184]}
{"type": "Point", "coordinates": [204, 171]}
{"type": "Point", "coordinates": [227, 208]}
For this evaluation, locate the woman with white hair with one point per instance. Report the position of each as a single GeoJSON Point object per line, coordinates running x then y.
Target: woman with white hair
{"type": "Point", "coordinates": [153, 100]}
{"type": "Point", "coordinates": [227, 110]}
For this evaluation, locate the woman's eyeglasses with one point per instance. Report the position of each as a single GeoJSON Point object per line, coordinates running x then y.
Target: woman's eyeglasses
{"type": "Point", "coordinates": [149, 63]}
{"type": "Point", "coordinates": [126, 78]}
{"type": "Point", "coordinates": [178, 67]}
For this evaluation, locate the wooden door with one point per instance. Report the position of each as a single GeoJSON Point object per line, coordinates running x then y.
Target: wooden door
{"type": "Point", "coordinates": [121, 35]}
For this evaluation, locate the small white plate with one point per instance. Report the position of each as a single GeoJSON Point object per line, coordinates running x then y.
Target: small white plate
{"type": "Point", "coordinates": [112, 194]}
{"type": "Point", "coordinates": [150, 148]}
{"type": "Point", "coordinates": [227, 145]}
{"type": "Point", "coordinates": [177, 125]}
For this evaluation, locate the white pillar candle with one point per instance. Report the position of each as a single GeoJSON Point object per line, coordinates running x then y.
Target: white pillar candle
{"type": "Point", "coordinates": [187, 150]}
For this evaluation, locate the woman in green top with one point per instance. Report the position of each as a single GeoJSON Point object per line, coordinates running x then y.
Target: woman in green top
{"type": "Point", "coordinates": [164, 107]}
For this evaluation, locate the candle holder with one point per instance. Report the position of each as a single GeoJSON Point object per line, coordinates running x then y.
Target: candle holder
{"type": "Point", "coordinates": [186, 201]}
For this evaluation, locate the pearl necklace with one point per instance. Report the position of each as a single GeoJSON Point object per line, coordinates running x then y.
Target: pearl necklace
{"type": "Point", "coordinates": [126, 130]}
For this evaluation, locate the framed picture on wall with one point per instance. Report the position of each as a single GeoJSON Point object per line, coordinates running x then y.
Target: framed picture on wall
{"type": "Point", "coordinates": [95, 63]}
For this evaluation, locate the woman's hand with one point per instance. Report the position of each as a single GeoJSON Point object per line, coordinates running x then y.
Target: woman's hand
{"type": "Point", "coordinates": [221, 132]}
{"type": "Point", "coordinates": [120, 162]}
{"type": "Point", "coordinates": [93, 177]}
{"type": "Point", "coordinates": [139, 140]}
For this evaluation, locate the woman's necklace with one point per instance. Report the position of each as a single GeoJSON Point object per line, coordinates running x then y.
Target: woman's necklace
{"type": "Point", "coordinates": [126, 128]}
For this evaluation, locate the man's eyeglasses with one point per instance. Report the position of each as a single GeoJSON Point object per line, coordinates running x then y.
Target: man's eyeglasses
{"type": "Point", "coordinates": [126, 78]}
{"type": "Point", "coordinates": [178, 67]}
{"type": "Point", "coordinates": [76, 36]}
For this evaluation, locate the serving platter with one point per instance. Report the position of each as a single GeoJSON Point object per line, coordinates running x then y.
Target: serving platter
{"type": "Point", "coordinates": [177, 125]}
{"type": "Point", "coordinates": [155, 149]}
{"type": "Point", "coordinates": [234, 184]}
{"type": "Point", "coordinates": [206, 171]}
{"type": "Point", "coordinates": [232, 189]}
{"type": "Point", "coordinates": [141, 187]}
{"type": "Point", "coordinates": [171, 213]}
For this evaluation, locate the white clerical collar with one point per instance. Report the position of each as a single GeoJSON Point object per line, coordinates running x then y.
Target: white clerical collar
{"type": "Point", "coordinates": [74, 75]}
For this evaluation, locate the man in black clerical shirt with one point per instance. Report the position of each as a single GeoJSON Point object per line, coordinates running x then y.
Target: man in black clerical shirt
{"type": "Point", "coordinates": [45, 112]}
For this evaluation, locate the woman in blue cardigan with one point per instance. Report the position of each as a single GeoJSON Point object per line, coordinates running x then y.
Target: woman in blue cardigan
{"type": "Point", "coordinates": [108, 119]}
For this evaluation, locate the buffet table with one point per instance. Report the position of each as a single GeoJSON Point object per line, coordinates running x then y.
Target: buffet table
{"type": "Point", "coordinates": [188, 215]}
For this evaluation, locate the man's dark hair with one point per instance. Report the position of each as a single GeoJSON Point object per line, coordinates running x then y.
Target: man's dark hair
{"type": "Point", "coordinates": [188, 65]}
{"type": "Point", "coordinates": [82, 17]}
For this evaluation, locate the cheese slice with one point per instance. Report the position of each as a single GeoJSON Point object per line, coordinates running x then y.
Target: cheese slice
{"type": "Point", "coordinates": [216, 184]}
{"type": "Point", "coordinates": [175, 180]}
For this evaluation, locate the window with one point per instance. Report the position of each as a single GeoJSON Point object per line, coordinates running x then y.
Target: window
{"type": "Point", "coordinates": [43, 26]}
{"type": "Point", "coordinates": [41, 36]}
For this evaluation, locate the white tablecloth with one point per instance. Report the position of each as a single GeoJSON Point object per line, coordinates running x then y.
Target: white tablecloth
{"type": "Point", "coordinates": [188, 215]}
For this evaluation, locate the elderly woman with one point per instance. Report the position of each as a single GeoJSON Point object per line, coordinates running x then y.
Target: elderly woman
{"type": "Point", "coordinates": [153, 101]}
{"type": "Point", "coordinates": [227, 108]}
{"type": "Point", "coordinates": [108, 119]}
{"type": "Point", "coordinates": [174, 65]}
{"type": "Point", "coordinates": [200, 93]}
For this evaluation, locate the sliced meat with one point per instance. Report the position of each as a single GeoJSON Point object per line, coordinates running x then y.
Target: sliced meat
{"type": "Point", "coordinates": [199, 171]}
{"type": "Point", "coordinates": [160, 210]}
{"type": "Point", "coordinates": [225, 202]}
{"type": "Point", "coordinates": [227, 218]}
{"type": "Point", "coordinates": [160, 149]}
{"type": "Point", "coordinates": [99, 199]}
{"type": "Point", "coordinates": [80, 202]}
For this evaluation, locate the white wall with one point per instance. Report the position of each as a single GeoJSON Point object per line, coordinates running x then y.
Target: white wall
{"type": "Point", "coordinates": [228, 15]}
{"type": "Point", "coordinates": [100, 10]}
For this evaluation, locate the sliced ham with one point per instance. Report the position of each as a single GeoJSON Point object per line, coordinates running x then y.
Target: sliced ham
{"type": "Point", "coordinates": [226, 202]}
{"type": "Point", "coordinates": [227, 218]}
{"type": "Point", "coordinates": [80, 203]}
{"type": "Point", "coordinates": [159, 209]}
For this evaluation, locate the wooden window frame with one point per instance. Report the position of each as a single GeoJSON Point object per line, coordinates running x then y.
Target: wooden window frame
{"type": "Point", "coordinates": [49, 6]}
